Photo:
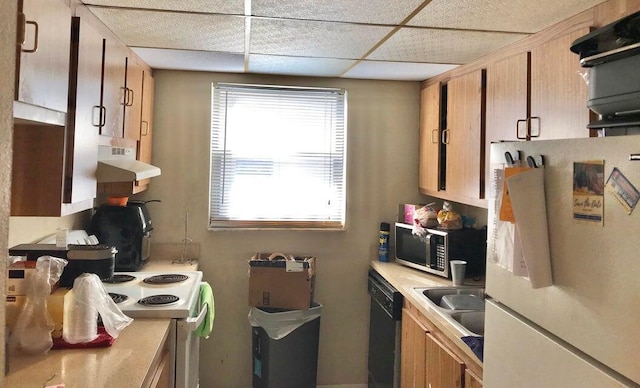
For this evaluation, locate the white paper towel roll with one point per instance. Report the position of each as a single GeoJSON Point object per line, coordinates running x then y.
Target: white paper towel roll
{"type": "Point", "coordinates": [526, 191]}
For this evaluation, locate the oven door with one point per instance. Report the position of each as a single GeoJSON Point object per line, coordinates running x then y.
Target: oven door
{"type": "Point", "coordinates": [188, 348]}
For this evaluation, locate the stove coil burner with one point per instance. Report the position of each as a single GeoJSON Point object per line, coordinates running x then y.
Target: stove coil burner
{"type": "Point", "coordinates": [118, 298]}
{"type": "Point", "coordinates": [119, 278]}
{"type": "Point", "coordinates": [159, 300]}
{"type": "Point", "coordinates": [166, 279]}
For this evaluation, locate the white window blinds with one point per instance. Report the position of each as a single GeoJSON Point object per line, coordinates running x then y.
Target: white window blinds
{"type": "Point", "coordinates": [278, 157]}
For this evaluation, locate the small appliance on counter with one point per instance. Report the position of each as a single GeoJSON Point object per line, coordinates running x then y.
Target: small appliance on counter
{"type": "Point", "coordinates": [98, 259]}
{"type": "Point", "coordinates": [127, 228]}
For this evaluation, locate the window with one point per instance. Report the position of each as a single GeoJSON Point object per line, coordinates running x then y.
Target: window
{"type": "Point", "coordinates": [278, 157]}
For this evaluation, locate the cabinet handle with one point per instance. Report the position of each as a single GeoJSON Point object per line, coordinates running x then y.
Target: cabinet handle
{"type": "Point", "coordinates": [146, 128]}
{"type": "Point", "coordinates": [436, 137]}
{"type": "Point", "coordinates": [35, 38]}
{"type": "Point", "coordinates": [526, 121]}
{"type": "Point", "coordinates": [130, 97]}
{"type": "Point", "coordinates": [93, 115]}
{"type": "Point", "coordinates": [445, 136]}
{"type": "Point", "coordinates": [125, 96]}
{"type": "Point", "coordinates": [532, 119]}
{"type": "Point", "coordinates": [103, 115]}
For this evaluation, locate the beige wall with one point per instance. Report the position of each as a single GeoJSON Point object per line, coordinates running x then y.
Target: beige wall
{"type": "Point", "coordinates": [382, 172]}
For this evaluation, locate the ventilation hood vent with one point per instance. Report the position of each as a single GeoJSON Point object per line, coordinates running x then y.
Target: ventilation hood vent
{"type": "Point", "coordinates": [118, 164]}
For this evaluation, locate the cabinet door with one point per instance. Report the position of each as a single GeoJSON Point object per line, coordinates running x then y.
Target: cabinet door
{"type": "Point", "coordinates": [42, 57]}
{"type": "Point", "coordinates": [429, 160]}
{"type": "Point", "coordinates": [113, 88]}
{"type": "Point", "coordinates": [412, 353]}
{"type": "Point", "coordinates": [146, 123]}
{"type": "Point", "coordinates": [464, 136]}
{"type": "Point", "coordinates": [444, 369]}
{"type": "Point", "coordinates": [559, 94]}
{"type": "Point", "coordinates": [84, 113]}
{"type": "Point", "coordinates": [133, 99]}
{"type": "Point", "coordinates": [471, 380]}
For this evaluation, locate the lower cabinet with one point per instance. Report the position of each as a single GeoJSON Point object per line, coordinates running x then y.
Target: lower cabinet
{"type": "Point", "coordinates": [429, 360]}
{"type": "Point", "coordinates": [412, 352]}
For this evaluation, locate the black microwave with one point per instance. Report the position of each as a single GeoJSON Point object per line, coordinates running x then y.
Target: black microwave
{"type": "Point", "coordinates": [433, 251]}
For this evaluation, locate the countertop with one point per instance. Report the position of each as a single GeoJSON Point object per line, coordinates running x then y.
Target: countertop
{"type": "Point", "coordinates": [123, 364]}
{"type": "Point", "coordinates": [405, 278]}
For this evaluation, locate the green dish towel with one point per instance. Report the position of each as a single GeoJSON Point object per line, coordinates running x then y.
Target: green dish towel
{"type": "Point", "coordinates": [206, 298]}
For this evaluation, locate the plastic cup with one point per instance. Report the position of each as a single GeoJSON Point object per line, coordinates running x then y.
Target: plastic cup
{"type": "Point", "coordinates": [458, 268]}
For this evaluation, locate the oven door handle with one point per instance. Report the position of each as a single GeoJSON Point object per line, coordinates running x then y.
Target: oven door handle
{"type": "Point", "coordinates": [191, 324]}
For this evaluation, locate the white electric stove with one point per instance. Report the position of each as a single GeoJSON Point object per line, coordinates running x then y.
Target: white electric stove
{"type": "Point", "coordinates": [174, 295]}
{"type": "Point", "coordinates": [155, 294]}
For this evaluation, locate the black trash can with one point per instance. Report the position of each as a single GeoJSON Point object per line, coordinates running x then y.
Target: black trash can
{"type": "Point", "coordinates": [285, 347]}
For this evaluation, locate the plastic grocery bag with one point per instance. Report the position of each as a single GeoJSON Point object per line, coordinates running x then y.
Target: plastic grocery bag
{"type": "Point", "coordinates": [88, 299]}
{"type": "Point", "coordinates": [280, 323]}
{"type": "Point", "coordinates": [32, 331]}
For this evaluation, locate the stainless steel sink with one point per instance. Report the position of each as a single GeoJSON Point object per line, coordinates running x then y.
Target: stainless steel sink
{"type": "Point", "coordinates": [469, 322]}
{"type": "Point", "coordinates": [435, 294]}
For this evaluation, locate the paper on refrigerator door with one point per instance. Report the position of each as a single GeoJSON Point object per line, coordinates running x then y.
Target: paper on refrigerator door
{"type": "Point", "coordinates": [504, 249]}
{"type": "Point", "coordinates": [526, 191]}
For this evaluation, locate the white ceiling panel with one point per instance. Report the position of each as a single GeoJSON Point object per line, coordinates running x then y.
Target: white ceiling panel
{"type": "Point", "coordinates": [401, 71]}
{"type": "Point", "coordinates": [322, 67]}
{"type": "Point", "coordinates": [326, 38]}
{"type": "Point", "coordinates": [191, 60]}
{"type": "Point", "coordinates": [174, 30]}
{"type": "Point", "coordinates": [499, 15]}
{"type": "Point", "coordinates": [203, 6]}
{"type": "Point", "coordinates": [313, 39]}
{"type": "Point", "coordinates": [440, 46]}
{"type": "Point", "coordinates": [362, 11]}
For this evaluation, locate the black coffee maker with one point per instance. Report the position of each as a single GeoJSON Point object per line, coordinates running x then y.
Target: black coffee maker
{"type": "Point", "coordinates": [127, 228]}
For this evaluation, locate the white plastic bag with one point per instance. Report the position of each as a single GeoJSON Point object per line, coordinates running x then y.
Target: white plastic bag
{"type": "Point", "coordinates": [88, 299]}
{"type": "Point", "coordinates": [32, 331]}
{"type": "Point", "coordinates": [280, 324]}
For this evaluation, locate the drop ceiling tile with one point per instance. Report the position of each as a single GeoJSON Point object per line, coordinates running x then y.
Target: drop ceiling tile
{"type": "Point", "coordinates": [301, 66]}
{"type": "Point", "coordinates": [362, 11]}
{"type": "Point", "coordinates": [161, 29]}
{"type": "Point", "coordinates": [499, 15]}
{"type": "Point", "coordinates": [440, 46]}
{"type": "Point", "coordinates": [401, 71]}
{"type": "Point", "coordinates": [191, 60]}
{"type": "Point", "coordinates": [204, 6]}
{"type": "Point", "coordinates": [313, 39]}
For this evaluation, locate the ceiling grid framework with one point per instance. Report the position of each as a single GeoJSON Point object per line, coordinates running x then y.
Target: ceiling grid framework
{"type": "Point", "coordinates": [409, 40]}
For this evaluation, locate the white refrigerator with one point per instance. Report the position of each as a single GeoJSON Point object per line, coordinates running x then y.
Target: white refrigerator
{"type": "Point", "coordinates": [563, 307]}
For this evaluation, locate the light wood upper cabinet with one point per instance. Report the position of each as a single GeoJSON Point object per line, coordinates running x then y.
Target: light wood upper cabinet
{"type": "Point", "coordinates": [444, 368]}
{"type": "Point", "coordinates": [113, 88]}
{"type": "Point", "coordinates": [559, 94]}
{"type": "Point", "coordinates": [412, 352]}
{"type": "Point", "coordinates": [430, 138]}
{"type": "Point", "coordinates": [42, 53]}
{"type": "Point", "coordinates": [83, 119]}
{"type": "Point", "coordinates": [508, 98]}
{"type": "Point", "coordinates": [146, 123]}
{"type": "Point", "coordinates": [464, 136]}
{"type": "Point", "coordinates": [133, 99]}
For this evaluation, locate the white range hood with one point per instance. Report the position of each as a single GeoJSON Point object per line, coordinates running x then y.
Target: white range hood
{"type": "Point", "coordinates": [119, 164]}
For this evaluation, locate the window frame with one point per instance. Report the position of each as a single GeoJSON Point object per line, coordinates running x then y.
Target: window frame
{"type": "Point", "coordinates": [339, 132]}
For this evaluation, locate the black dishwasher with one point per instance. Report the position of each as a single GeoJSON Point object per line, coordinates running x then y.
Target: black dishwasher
{"type": "Point", "coordinates": [384, 332]}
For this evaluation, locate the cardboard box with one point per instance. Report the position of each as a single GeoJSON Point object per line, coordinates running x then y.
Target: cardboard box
{"type": "Point", "coordinates": [19, 277]}
{"type": "Point", "coordinates": [55, 306]}
{"type": "Point", "coordinates": [282, 284]}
